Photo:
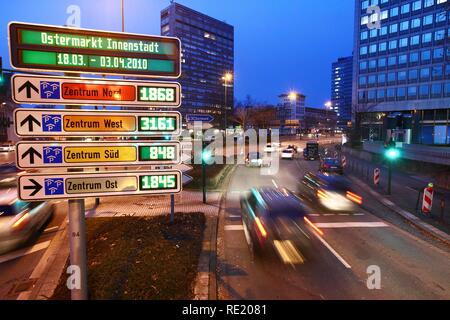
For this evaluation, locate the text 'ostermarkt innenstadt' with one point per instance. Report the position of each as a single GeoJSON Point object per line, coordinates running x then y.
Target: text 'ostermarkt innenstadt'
{"type": "Point", "coordinates": [101, 43]}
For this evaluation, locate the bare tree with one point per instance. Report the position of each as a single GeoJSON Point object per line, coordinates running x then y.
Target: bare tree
{"type": "Point", "coordinates": [241, 115]}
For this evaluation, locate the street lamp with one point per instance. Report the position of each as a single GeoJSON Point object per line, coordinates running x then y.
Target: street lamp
{"type": "Point", "coordinates": [328, 106]}
{"type": "Point", "coordinates": [228, 76]}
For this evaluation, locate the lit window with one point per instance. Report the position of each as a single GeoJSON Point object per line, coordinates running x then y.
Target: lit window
{"type": "Point", "coordinates": [394, 12]}
{"type": "Point", "coordinates": [403, 42]}
{"type": "Point", "coordinates": [427, 20]}
{"type": "Point", "coordinates": [426, 37]}
{"type": "Point", "coordinates": [382, 46]}
{"type": "Point", "coordinates": [439, 35]}
{"type": "Point", "coordinates": [364, 35]}
{"type": "Point", "coordinates": [364, 20]}
{"type": "Point", "coordinates": [417, 5]}
{"type": "Point", "coordinates": [404, 25]}
{"type": "Point", "coordinates": [405, 8]}
{"type": "Point", "coordinates": [428, 3]}
{"type": "Point", "coordinates": [393, 28]}
{"type": "Point", "coordinates": [415, 23]}
{"type": "Point", "coordinates": [415, 40]}
{"type": "Point", "coordinates": [393, 44]}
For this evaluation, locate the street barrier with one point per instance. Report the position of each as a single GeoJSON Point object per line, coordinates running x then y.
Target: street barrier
{"type": "Point", "coordinates": [427, 201]}
{"type": "Point", "coordinates": [376, 176]}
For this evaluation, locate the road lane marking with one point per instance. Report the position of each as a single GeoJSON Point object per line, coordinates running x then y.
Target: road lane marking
{"type": "Point", "coordinates": [358, 214]}
{"type": "Point", "coordinates": [314, 214]}
{"type": "Point", "coordinates": [344, 214]}
{"type": "Point", "coordinates": [274, 183]}
{"type": "Point", "coordinates": [329, 214]}
{"type": "Point", "coordinates": [337, 255]}
{"type": "Point", "coordinates": [23, 252]}
{"type": "Point", "coordinates": [374, 224]}
{"type": "Point", "coordinates": [233, 216]}
{"type": "Point", "coordinates": [234, 227]}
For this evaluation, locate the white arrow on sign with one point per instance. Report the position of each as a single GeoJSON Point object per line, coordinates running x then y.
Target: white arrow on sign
{"type": "Point", "coordinates": [44, 187]}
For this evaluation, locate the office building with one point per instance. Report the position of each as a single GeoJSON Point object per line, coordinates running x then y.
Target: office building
{"type": "Point", "coordinates": [341, 89]}
{"type": "Point", "coordinates": [402, 71]}
{"type": "Point", "coordinates": [291, 112]}
{"type": "Point", "coordinates": [207, 56]}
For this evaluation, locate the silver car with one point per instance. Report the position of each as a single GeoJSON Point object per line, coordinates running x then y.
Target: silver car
{"type": "Point", "coordinates": [20, 220]}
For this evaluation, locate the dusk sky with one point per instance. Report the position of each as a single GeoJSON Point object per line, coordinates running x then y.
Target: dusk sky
{"type": "Point", "coordinates": [280, 45]}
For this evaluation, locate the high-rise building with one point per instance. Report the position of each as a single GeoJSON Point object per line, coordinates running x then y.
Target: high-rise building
{"type": "Point", "coordinates": [207, 56]}
{"type": "Point", "coordinates": [341, 89]}
{"type": "Point", "coordinates": [402, 70]}
{"type": "Point", "coordinates": [291, 112]}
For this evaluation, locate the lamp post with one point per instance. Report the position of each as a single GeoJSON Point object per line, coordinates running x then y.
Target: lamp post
{"type": "Point", "coordinates": [228, 76]}
{"type": "Point", "coordinates": [328, 106]}
{"type": "Point", "coordinates": [293, 98]}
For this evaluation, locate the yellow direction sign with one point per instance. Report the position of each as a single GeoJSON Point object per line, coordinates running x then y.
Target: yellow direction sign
{"type": "Point", "coordinates": [54, 122]}
{"type": "Point", "coordinates": [48, 154]}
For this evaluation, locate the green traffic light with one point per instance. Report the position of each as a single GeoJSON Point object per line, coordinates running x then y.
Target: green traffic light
{"type": "Point", "coordinates": [206, 155]}
{"type": "Point", "coordinates": [392, 153]}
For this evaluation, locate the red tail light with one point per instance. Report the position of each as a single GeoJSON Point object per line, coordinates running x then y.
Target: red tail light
{"type": "Point", "coordinates": [354, 197]}
{"type": "Point", "coordinates": [261, 228]}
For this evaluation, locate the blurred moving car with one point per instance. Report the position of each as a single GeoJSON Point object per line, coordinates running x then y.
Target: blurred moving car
{"type": "Point", "coordinates": [256, 159]}
{"type": "Point", "coordinates": [287, 154]}
{"type": "Point", "coordinates": [7, 147]}
{"type": "Point", "coordinates": [293, 147]}
{"type": "Point", "coordinates": [331, 165]}
{"type": "Point", "coordinates": [19, 220]}
{"type": "Point", "coordinates": [331, 191]}
{"type": "Point", "coordinates": [273, 220]}
{"type": "Point", "coordinates": [269, 148]}
{"type": "Point", "coordinates": [311, 151]}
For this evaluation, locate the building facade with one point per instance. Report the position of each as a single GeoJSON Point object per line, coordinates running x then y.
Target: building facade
{"type": "Point", "coordinates": [341, 89]}
{"type": "Point", "coordinates": [322, 120]}
{"type": "Point", "coordinates": [401, 70]}
{"type": "Point", "coordinates": [207, 55]}
{"type": "Point", "coordinates": [291, 112]}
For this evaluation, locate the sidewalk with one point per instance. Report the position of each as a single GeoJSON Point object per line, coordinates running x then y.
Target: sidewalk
{"type": "Point", "coordinates": [406, 191]}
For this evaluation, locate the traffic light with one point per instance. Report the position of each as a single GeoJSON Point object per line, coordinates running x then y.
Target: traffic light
{"type": "Point", "coordinates": [392, 153]}
{"type": "Point", "coordinates": [2, 78]}
{"type": "Point", "coordinates": [206, 154]}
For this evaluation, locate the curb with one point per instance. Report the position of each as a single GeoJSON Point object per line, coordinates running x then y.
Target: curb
{"type": "Point", "coordinates": [205, 287]}
{"type": "Point", "coordinates": [425, 227]}
{"type": "Point", "coordinates": [50, 267]}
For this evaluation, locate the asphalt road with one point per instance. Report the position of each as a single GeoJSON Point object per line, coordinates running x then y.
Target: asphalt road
{"type": "Point", "coordinates": [17, 266]}
{"type": "Point", "coordinates": [336, 264]}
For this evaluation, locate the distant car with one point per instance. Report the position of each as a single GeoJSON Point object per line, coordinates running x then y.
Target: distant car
{"type": "Point", "coordinates": [7, 147]}
{"type": "Point", "coordinates": [293, 147]}
{"type": "Point", "coordinates": [19, 220]}
{"type": "Point", "coordinates": [331, 191]}
{"type": "Point", "coordinates": [272, 218]}
{"type": "Point", "coordinates": [311, 151]}
{"type": "Point", "coordinates": [287, 154]}
{"type": "Point", "coordinates": [331, 165]}
{"type": "Point", "coordinates": [256, 159]}
{"type": "Point", "coordinates": [269, 148]}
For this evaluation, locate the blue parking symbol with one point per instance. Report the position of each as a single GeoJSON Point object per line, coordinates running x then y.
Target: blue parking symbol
{"type": "Point", "coordinates": [50, 90]}
{"type": "Point", "coordinates": [51, 123]}
{"type": "Point", "coordinates": [52, 154]}
{"type": "Point", "coordinates": [54, 186]}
